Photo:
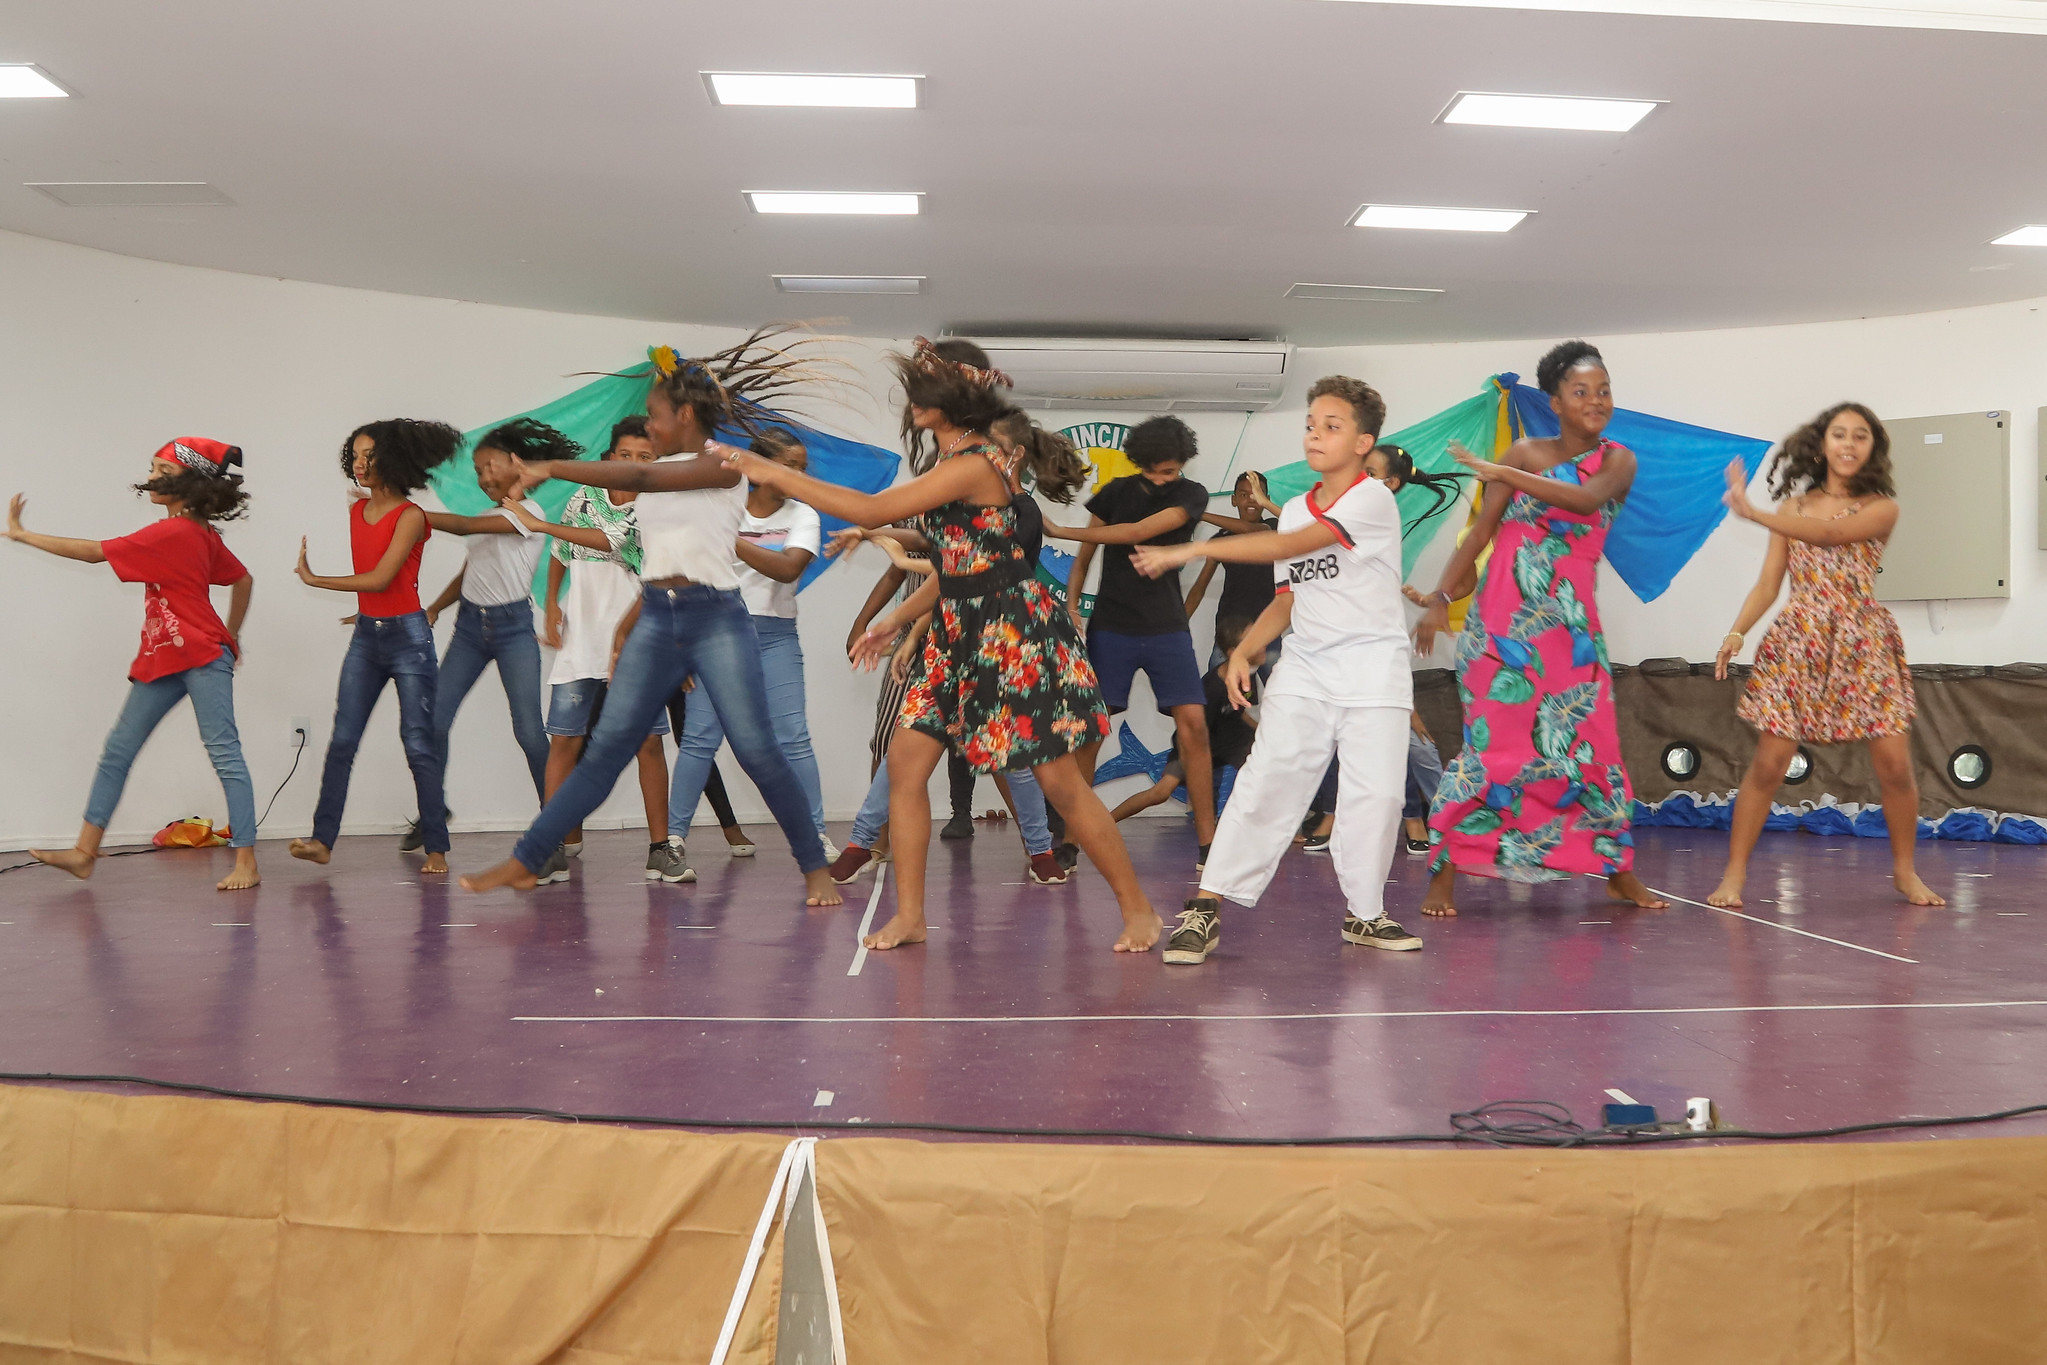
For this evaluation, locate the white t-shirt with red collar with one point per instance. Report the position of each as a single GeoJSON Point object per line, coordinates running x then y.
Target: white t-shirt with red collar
{"type": "Point", "coordinates": [1349, 643]}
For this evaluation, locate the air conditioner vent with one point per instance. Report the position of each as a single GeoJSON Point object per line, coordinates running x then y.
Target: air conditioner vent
{"type": "Point", "coordinates": [1143, 375]}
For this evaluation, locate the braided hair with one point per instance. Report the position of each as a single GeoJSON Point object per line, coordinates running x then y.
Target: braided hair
{"type": "Point", "coordinates": [1400, 469]}
{"type": "Point", "coordinates": [734, 387]}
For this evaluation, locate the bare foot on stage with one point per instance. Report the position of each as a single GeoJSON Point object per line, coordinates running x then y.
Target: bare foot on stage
{"type": "Point", "coordinates": [1140, 931]}
{"type": "Point", "coordinates": [820, 889]}
{"type": "Point", "coordinates": [436, 863]}
{"type": "Point", "coordinates": [244, 874]}
{"type": "Point", "coordinates": [1626, 886]}
{"type": "Point", "coordinates": [1436, 902]}
{"type": "Point", "coordinates": [1911, 888]}
{"type": "Point", "coordinates": [511, 872]}
{"type": "Point", "coordinates": [76, 861]}
{"type": "Point", "coordinates": [895, 933]}
{"type": "Point", "coordinates": [311, 850]}
{"type": "Point", "coordinates": [1727, 895]}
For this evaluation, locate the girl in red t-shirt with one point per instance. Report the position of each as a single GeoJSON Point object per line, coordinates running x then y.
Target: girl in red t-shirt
{"type": "Point", "coordinates": [392, 641]}
{"type": "Point", "coordinates": [186, 650]}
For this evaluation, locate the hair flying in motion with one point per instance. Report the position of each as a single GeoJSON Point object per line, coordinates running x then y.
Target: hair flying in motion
{"type": "Point", "coordinates": [1800, 464]}
{"type": "Point", "coordinates": [527, 438]}
{"type": "Point", "coordinates": [210, 497]}
{"type": "Point", "coordinates": [1057, 469]}
{"type": "Point", "coordinates": [1441, 488]}
{"type": "Point", "coordinates": [745, 384]}
{"type": "Point", "coordinates": [404, 450]}
{"type": "Point", "coordinates": [955, 377]}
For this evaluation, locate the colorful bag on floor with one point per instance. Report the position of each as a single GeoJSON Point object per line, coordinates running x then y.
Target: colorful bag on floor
{"type": "Point", "coordinates": [193, 832]}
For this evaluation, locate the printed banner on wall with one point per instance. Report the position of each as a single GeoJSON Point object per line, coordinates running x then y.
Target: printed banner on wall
{"type": "Point", "coordinates": [1101, 445]}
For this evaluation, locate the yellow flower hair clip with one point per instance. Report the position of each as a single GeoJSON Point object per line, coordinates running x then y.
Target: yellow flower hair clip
{"type": "Point", "coordinates": [666, 361]}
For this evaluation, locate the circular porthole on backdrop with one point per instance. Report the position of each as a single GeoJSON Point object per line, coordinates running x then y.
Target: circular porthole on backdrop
{"type": "Point", "coordinates": [1680, 761]}
{"type": "Point", "coordinates": [1800, 768]}
{"type": "Point", "coordinates": [1969, 766]}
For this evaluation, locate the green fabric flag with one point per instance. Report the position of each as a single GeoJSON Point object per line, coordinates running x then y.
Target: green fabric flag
{"type": "Point", "coordinates": [1471, 424]}
{"type": "Point", "coordinates": [585, 416]}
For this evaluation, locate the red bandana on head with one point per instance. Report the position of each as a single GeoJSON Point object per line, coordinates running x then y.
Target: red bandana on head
{"type": "Point", "coordinates": [198, 453]}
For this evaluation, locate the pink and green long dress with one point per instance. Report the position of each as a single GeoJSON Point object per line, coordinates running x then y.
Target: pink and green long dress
{"type": "Point", "coordinates": [1538, 791]}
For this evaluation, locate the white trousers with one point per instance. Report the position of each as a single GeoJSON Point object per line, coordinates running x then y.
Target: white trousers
{"type": "Point", "coordinates": [1296, 736]}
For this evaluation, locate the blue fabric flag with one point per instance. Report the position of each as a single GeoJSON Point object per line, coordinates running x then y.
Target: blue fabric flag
{"type": "Point", "coordinates": [1679, 482]}
{"type": "Point", "coordinates": [851, 464]}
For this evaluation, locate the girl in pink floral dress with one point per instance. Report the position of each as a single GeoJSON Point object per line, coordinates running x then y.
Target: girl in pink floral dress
{"type": "Point", "coordinates": [1831, 668]}
{"type": "Point", "coordinates": [1538, 791]}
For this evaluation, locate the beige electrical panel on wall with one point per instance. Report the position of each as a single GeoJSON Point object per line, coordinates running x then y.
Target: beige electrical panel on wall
{"type": "Point", "coordinates": [1954, 508]}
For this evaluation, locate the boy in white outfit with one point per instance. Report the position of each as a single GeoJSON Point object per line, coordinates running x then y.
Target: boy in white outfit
{"type": "Point", "coordinates": [1342, 686]}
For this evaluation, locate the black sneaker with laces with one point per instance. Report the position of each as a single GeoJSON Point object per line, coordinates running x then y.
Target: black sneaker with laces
{"type": "Point", "coordinates": [1378, 933]}
{"type": "Point", "coordinates": [961, 826]}
{"type": "Point", "coordinates": [1199, 934]}
{"type": "Point", "coordinates": [1417, 848]}
{"type": "Point", "coordinates": [412, 841]}
{"type": "Point", "coordinates": [1200, 858]}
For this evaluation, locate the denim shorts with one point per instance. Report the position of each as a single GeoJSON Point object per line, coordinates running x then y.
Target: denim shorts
{"type": "Point", "coordinates": [1168, 660]}
{"type": "Point", "coordinates": [572, 707]}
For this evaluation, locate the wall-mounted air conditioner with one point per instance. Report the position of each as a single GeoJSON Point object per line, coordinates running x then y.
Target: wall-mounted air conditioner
{"type": "Point", "coordinates": [1143, 376]}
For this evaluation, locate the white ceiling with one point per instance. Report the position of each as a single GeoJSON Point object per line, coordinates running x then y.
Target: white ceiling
{"type": "Point", "coordinates": [1160, 166]}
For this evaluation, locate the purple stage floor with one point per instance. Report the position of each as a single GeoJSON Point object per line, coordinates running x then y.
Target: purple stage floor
{"type": "Point", "coordinates": [1831, 1003]}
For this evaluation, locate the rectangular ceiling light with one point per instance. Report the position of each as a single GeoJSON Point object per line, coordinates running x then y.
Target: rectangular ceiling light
{"type": "Point", "coordinates": [1438, 220]}
{"type": "Point", "coordinates": [1547, 111]}
{"type": "Point", "coordinates": [789, 88]}
{"type": "Point", "coordinates": [133, 194]}
{"type": "Point", "coordinates": [850, 284]}
{"type": "Point", "coordinates": [21, 81]}
{"type": "Point", "coordinates": [830, 201]}
{"type": "Point", "coordinates": [2032, 234]}
{"type": "Point", "coordinates": [1363, 293]}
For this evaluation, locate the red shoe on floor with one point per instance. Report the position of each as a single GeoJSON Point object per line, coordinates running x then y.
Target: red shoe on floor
{"type": "Point", "coordinates": [1047, 870]}
{"type": "Point", "coordinates": [851, 862]}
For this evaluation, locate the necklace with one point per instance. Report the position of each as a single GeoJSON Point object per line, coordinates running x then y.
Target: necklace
{"type": "Point", "coordinates": [958, 441]}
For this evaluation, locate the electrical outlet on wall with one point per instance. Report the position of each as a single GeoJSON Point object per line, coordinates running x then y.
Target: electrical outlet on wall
{"type": "Point", "coordinates": [301, 731]}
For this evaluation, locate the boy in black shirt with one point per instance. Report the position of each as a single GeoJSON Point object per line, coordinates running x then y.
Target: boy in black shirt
{"type": "Point", "coordinates": [1140, 624]}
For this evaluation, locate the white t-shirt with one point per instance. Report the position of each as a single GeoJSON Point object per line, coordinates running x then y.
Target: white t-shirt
{"type": "Point", "coordinates": [792, 526]}
{"type": "Point", "coordinates": [500, 569]}
{"type": "Point", "coordinates": [602, 586]}
{"type": "Point", "coordinates": [1349, 642]}
{"type": "Point", "coordinates": [690, 535]}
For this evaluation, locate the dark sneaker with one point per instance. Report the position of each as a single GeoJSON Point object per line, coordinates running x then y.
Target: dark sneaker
{"type": "Point", "coordinates": [1200, 931]}
{"type": "Point", "coordinates": [412, 841]}
{"type": "Point", "coordinates": [666, 863]}
{"type": "Point", "coordinates": [1047, 870]}
{"type": "Point", "coordinates": [851, 862]}
{"type": "Point", "coordinates": [1378, 933]}
{"type": "Point", "coordinates": [1200, 859]}
{"type": "Point", "coordinates": [961, 826]}
{"type": "Point", "coordinates": [1068, 856]}
{"type": "Point", "coordinates": [1317, 843]}
{"type": "Point", "coordinates": [556, 870]}
{"type": "Point", "coordinates": [1309, 824]}
{"type": "Point", "coordinates": [1417, 848]}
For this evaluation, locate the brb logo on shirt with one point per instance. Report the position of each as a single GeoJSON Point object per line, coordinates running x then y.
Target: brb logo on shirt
{"type": "Point", "coordinates": [1311, 570]}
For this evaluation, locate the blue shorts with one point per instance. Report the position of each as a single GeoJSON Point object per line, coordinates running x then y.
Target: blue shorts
{"type": "Point", "coordinates": [1167, 660]}
{"type": "Point", "coordinates": [573, 707]}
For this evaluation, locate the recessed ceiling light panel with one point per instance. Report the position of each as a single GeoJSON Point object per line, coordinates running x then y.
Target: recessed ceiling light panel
{"type": "Point", "coordinates": [1437, 219]}
{"type": "Point", "coordinates": [789, 88]}
{"type": "Point", "coordinates": [133, 194]}
{"type": "Point", "coordinates": [1547, 111]}
{"type": "Point", "coordinates": [1363, 293]}
{"type": "Point", "coordinates": [850, 284]}
{"type": "Point", "coordinates": [2032, 234]}
{"type": "Point", "coordinates": [22, 81]}
{"type": "Point", "coordinates": [831, 201]}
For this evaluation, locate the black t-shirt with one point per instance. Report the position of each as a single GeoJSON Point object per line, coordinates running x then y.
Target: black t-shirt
{"type": "Point", "coordinates": [1229, 734]}
{"type": "Point", "coordinates": [1127, 602]}
{"type": "Point", "coordinates": [1247, 588]}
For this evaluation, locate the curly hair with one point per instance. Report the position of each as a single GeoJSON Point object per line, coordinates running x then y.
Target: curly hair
{"type": "Point", "coordinates": [1057, 469]}
{"type": "Point", "coordinates": [210, 497]}
{"type": "Point", "coordinates": [1561, 360]}
{"type": "Point", "coordinates": [1800, 464]}
{"type": "Point", "coordinates": [525, 438]}
{"type": "Point", "coordinates": [404, 450]}
{"type": "Point", "coordinates": [636, 425]}
{"type": "Point", "coordinates": [733, 387]}
{"type": "Point", "coordinates": [1157, 440]}
{"type": "Point", "coordinates": [1364, 400]}
{"type": "Point", "coordinates": [968, 400]}
{"type": "Point", "coordinates": [1441, 488]}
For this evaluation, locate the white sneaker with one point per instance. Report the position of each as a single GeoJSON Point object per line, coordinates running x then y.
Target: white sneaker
{"type": "Point", "coordinates": [831, 850]}
{"type": "Point", "coordinates": [572, 850]}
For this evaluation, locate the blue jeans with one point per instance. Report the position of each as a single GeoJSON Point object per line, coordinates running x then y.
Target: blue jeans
{"type": "Point", "coordinates": [1031, 820]}
{"type": "Point", "coordinates": [696, 748]}
{"type": "Point", "coordinates": [393, 649]}
{"type": "Point", "coordinates": [682, 632]}
{"type": "Point", "coordinates": [503, 634]}
{"type": "Point", "coordinates": [212, 690]}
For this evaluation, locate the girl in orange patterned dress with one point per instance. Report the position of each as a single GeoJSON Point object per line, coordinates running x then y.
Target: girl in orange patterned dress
{"type": "Point", "coordinates": [1831, 668]}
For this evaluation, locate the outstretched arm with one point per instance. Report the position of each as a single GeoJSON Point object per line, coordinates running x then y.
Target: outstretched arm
{"type": "Point", "coordinates": [589, 537]}
{"type": "Point", "coordinates": [489, 524]}
{"type": "Point", "coordinates": [1758, 601]}
{"type": "Point", "coordinates": [784, 566]}
{"type": "Point", "coordinates": [662, 476]}
{"type": "Point", "coordinates": [1874, 522]}
{"type": "Point", "coordinates": [1616, 475]}
{"type": "Point", "coordinates": [411, 527]}
{"type": "Point", "coordinates": [950, 481]}
{"type": "Point", "coordinates": [66, 547]}
{"type": "Point", "coordinates": [1236, 526]}
{"type": "Point", "coordinates": [1122, 533]}
{"type": "Point", "coordinates": [1266, 547]}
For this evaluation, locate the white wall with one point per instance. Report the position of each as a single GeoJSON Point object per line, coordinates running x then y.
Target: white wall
{"type": "Point", "coordinates": [103, 358]}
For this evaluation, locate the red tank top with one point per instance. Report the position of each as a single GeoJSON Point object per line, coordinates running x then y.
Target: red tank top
{"type": "Point", "coordinates": [368, 540]}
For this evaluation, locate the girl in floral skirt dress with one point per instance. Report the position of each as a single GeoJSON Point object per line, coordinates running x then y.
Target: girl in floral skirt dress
{"type": "Point", "coordinates": [1006, 679]}
{"type": "Point", "coordinates": [1831, 669]}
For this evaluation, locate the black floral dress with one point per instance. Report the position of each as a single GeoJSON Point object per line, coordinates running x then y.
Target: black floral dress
{"type": "Point", "coordinates": [1006, 679]}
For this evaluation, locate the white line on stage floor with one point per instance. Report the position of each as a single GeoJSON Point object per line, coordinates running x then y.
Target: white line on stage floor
{"type": "Point", "coordinates": [1774, 924]}
{"type": "Point", "coordinates": [867, 921]}
{"type": "Point", "coordinates": [1255, 1018]}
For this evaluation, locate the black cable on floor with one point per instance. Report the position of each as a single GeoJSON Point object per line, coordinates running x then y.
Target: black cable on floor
{"type": "Point", "coordinates": [1524, 1123]}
